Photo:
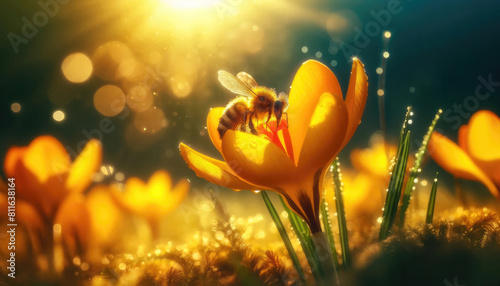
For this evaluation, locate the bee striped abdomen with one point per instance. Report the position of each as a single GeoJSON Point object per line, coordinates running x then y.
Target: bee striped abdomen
{"type": "Point", "coordinates": [233, 116]}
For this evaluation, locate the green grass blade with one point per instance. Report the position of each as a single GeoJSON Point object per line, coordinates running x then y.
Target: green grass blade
{"type": "Point", "coordinates": [339, 201]}
{"type": "Point", "coordinates": [415, 170]}
{"type": "Point", "coordinates": [304, 235]}
{"type": "Point", "coordinates": [284, 236]}
{"type": "Point", "coordinates": [328, 229]}
{"type": "Point", "coordinates": [432, 201]}
{"type": "Point", "coordinates": [396, 181]}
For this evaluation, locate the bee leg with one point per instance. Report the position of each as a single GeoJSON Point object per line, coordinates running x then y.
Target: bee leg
{"type": "Point", "coordinates": [243, 126]}
{"type": "Point", "coordinates": [268, 119]}
{"type": "Point", "coordinates": [252, 127]}
{"type": "Point", "coordinates": [286, 118]}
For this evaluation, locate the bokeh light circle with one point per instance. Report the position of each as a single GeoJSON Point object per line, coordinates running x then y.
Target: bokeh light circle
{"type": "Point", "coordinates": [109, 100]}
{"type": "Point", "coordinates": [58, 115]}
{"type": "Point", "coordinates": [139, 98]}
{"type": "Point", "coordinates": [150, 121]}
{"type": "Point", "coordinates": [15, 107]}
{"type": "Point", "coordinates": [77, 67]}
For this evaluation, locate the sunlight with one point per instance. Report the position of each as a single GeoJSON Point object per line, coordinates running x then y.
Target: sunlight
{"type": "Point", "coordinates": [190, 4]}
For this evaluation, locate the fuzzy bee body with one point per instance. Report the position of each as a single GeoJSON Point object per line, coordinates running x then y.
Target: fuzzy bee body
{"type": "Point", "coordinates": [234, 115]}
{"type": "Point", "coordinates": [256, 102]}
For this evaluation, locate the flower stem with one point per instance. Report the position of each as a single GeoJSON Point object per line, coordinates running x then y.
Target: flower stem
{"type": "Point", "coordinates": [304, 235]}
{"type": "Point", "coordinates": [324, 253]}
{"type": "Point", "coordinates": [284, 236]}
{"type": "Point", "coordinates": [432, 201]}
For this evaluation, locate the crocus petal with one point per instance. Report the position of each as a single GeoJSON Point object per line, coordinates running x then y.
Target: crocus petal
{"type": "Point", "coordinates": [212, 124]}
{"type": "Point", "coordinates": [135, 194]}
{"type": "Point", "coordinates": [106, 217]}
{"type": "Point", "coordinates": [46, 157]}
{"type": "Point", "coordinates": [310, 82]}
{"type": "Point", "coordinates": [85, 165]}
{"type": "Point", "coordinates": [374, 160]}
{"type": "Point", "coordinates": [257, 160]}
{"type": "Point", "coordinates": [12, 159]}
{"type": "Point", "coordinates": [326, 133]}
{"type": "Point", "coordinates": [40, 170]}
{"type": "Point", "coordinates": [74, 218]}
{"type": "Point", "coordinates": [356, 97]}
{"type": "Point", "coordinates": [483, 142]}
{"type": "Point", "coordinates": [455, 161]}
{"type": "Point", "coordinates": [158, 185]}
{"type": "Point", "coordinates": [212, 170]}
{"type": "Point", "coordinates": [463, 132]}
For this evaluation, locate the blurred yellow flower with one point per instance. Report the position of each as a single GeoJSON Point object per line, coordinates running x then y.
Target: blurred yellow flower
{"type": "Point", "coordinates": [107, 219]}
{"type": "Point", "coordinates": [478, 157]}
{"type": "Point", "coordinates": [364, 196]}
{"type": "Point", "coordinates": [154, 199]}
{"type": "Point", "coordinates": [320, 125]}
{"type": "Point", "coordinates": [72, 225]}
{"type": "Point", "coordinates": [45, 174]}
{"type": "Point", "coordinates": [374, 160]}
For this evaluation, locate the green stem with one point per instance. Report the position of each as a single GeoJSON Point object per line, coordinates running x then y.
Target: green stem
{"type": "Point", "coordinates": [344, 239]}
{"type": "Point", "coordinates": [432, 201]}
{"type": "Point", "coordinates": [284, 236]}
{"type": "Point", "coordinates": [323, 251]}
{"type": "Point", "coordinates": [304, 236]}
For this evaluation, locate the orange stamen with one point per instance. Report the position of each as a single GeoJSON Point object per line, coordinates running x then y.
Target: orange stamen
{"type": "Point", "coordinates": [271, 132]}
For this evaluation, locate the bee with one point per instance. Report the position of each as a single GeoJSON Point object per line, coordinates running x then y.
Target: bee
{"type": "Point", "coordinates": [254, 102]}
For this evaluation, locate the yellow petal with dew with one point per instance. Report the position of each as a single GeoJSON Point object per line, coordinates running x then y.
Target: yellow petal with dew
{"type": "Point", "coordinates": [325, 134]}
{"type": "Point", "coordinates": [212, 170]}
{"type": "Point", "coordinates": [310, 82]}
{"type": "Point", "coordinates": [355, 101]}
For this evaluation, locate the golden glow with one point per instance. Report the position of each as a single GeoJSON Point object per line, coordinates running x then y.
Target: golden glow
{"type": "Point", "coordinates": [77, 67]}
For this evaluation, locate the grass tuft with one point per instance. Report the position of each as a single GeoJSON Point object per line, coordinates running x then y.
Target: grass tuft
{"type": "Point", "coordinates": [432, 201]}
{"type": "Point", "coordinates": [416, 169]}
{"type": "Point", "coordinates": [397, 179]}
{"type": "Point", "coordinates": [339, 201]}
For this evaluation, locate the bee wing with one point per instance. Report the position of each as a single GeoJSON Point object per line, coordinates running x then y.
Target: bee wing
{"type": "Point", "coordinates": [234, 84]}
{"type": "Point", "coordinates": [247, 79]}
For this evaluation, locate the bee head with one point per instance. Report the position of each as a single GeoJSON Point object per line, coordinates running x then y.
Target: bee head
{"type": "Point", "coordinates": [280, 105]}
